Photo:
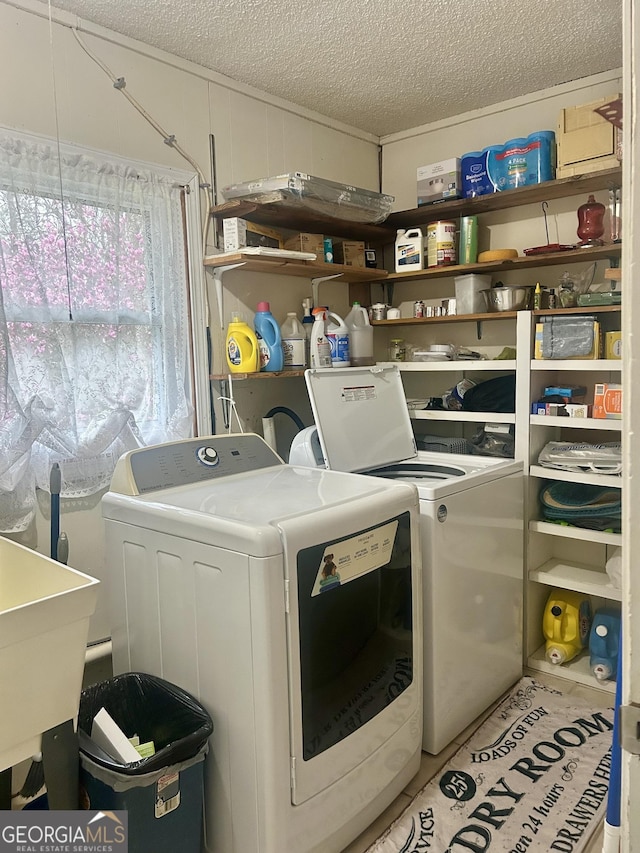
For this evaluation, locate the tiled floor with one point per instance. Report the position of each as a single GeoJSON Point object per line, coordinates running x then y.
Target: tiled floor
{"type": "Point", "coordinates": [432, 763]}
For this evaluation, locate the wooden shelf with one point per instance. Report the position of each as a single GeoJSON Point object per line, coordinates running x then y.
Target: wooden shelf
{"type": "Point", "coordinates": [301, 218]}
{"type": "Point", "coordinates": [291, 266]}
{"type": "Point", "coordinates": [577, 670]}
{"type": "Point", "coordinates": [534, 194]}
{"type": "Point", "coordinates": [448, 318]}
{"type": "Point", "coordinates": [466, 366]}
{"type": "Point", "coordinates": [610, 364]}
{"type": "Point", "coordinates": [583, 309]}
{"type": "Point", "coordinates": [463, 417]}
{"type": "Point", "coordinates": [577, 423]}
{"type": "Point", "coordinates": [612, 481]}
{"type": "Point", "coordinates": [581, 533]}
{"type": "Point", "coordinates": [575, 256]}
{"type": "Point", "coordinates": [577, 577]}
{"type": "Point", "coordinates": [264, 374]}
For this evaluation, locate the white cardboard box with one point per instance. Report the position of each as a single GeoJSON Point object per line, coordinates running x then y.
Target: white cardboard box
{"type": "Point", "coordinates": [439, 181]}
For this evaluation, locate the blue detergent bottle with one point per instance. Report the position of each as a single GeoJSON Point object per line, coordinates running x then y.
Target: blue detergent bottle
{"type": "Point", "coordinates": [269, 339]}
{"type": "Point", "coordinates": [604, 643]}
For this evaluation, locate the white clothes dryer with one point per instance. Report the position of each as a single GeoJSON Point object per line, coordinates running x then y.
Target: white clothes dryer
{"type": "Point", "coordinates": [287, 600]}
{"type": "Point", "coordinates": [471, 518]}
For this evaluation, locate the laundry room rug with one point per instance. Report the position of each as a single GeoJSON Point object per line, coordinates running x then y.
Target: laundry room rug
{"type": "Point", "coordinates": [533, 777]}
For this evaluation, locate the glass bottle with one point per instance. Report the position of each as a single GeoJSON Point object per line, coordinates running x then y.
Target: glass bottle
{"type": "Point", "coordinates": [396, 349]}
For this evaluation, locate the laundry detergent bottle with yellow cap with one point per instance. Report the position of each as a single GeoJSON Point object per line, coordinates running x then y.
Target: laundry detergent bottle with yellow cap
{"type": "Point", "coordinates": [566, 623]}
{"type": "Point", "coordinates": [243, 355]}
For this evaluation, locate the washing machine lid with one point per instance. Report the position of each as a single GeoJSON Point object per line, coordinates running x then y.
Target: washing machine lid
{"type": "Point", "coordinates": [362, 417]}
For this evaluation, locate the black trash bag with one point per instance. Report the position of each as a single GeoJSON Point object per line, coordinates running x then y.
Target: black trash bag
{"type": "Point", "coordinates": [152, 708]}
{"type": "Point", "coordinates": [493, 395]}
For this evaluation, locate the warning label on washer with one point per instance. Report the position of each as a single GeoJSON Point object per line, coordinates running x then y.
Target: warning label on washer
{"type": "Point", "coordinates": [355, 393]}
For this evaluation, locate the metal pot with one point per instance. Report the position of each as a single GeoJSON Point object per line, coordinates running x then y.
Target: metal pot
{"type": "Point", "coordinates": [508, 297]}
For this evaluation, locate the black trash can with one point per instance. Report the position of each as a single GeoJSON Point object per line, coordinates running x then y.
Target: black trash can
{"type": "Point", "coordinates": [164, 793]}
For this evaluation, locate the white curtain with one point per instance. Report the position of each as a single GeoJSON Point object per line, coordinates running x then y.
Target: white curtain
{"type": "Point", "coordinates": [94, 332]}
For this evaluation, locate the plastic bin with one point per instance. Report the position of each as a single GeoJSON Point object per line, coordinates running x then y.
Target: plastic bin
{"type": "Point", "coordinates": [163, 794]}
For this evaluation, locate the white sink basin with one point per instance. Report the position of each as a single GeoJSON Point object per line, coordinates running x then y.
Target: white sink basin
{"type": "Point", "coordinates": [45, 609]}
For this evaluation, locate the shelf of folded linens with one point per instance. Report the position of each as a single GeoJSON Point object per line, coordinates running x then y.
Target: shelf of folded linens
{"type": "Point", "coordinates": [584, 534]}
{"type": "Point", "coordinates": [576, 423]}
{"type": "Point", "coordinates": [612, 481]}
{"type": "Point", "coordinates": [578, 577]}
{"type": "Point", "coordinates": [577, 670]}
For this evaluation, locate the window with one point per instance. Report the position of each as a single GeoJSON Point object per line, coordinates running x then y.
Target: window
{"type": "Point", "coordinates": [94, 319]}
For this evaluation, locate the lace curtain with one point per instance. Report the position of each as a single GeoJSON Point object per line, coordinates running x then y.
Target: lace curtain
{"type": "Point", "coordinates": [94, 334]}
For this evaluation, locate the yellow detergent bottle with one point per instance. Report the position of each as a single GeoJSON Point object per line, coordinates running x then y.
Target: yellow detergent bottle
{"type": "Point", "coordinates": [243, 355]}
{"type": "Point", "coordinates": [566, 623]}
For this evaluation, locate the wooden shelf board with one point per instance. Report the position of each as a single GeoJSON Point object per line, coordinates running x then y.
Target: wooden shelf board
{"type": "Point", "coordinates": [449, 318]}
{"type": "Point", "coordinates": [264, 374]}
{"type": "Point", "coordinates": [463, 417]}
{"type": "Point", "coordinates": [577, 577]}
{"type": "Point", "coordinates": [301, 218]}
{"type": "Point", "coordinates": [575, 256]}
{"type": "Point", "coordinates": [612, 364]}
{"type": "Point", "coordinates": [533, 194]}
{"type": "Point", "coordinates": [289, 266]}
{"type": "Point", "coordinates": [581, 533]}
{"type": "Point", "coordinates": [610, 480]}
{"type": "Point", "coordinates": [583, 309]}
{"type": "Point", "coordinates": [577, 423]}
{"type": "Point", "coordinates": [459, 366]}
{"type": "Point", "coordinates": [577, 670]}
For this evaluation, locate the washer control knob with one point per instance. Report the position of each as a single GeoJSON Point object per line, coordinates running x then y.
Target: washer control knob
{"type": "Point", "coordinates": [208, 456]}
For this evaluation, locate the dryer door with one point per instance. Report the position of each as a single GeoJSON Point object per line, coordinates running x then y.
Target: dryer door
{"type": "Point", "coordinates": [353, 677]}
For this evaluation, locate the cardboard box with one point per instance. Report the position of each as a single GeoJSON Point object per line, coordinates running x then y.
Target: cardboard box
{"type": "Point", "coordinates": [349, 252]}
{"type": "Point", "coordinates": [586, 142]}
{"type": "Point", "coordinates": [238, 233]}
{"type": "Point", "coordinates": [578, 410]}
{"type": "Point", "coordinates": [439, 181]}
{"type": "Point", "coordinates": [613, 345]}
{"type": "Point", "coordinates": [305, 242]}
{"type": "Point", "coordinates": [607, 401]}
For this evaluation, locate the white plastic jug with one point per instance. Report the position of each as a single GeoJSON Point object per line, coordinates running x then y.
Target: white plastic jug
{"type": "Point", "coordinates": [293, 341]}
{"type": "Point", "coordinates": [409, 250]}
{"type": "Point", "coordinates": [338, 336]}
{"type": "Point", "coordinates": [360, 336]}
{"type": "Point", "coordinates": [319, 344]}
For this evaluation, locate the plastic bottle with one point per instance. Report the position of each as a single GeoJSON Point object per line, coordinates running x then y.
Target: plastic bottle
{"type": "Point", "coordinates": [269, 339]}
{"type": "Point", "coordinates": [360, 336]}
{"type": "Point", "coordinates": [242, 346]}
{"type": "Point", "coordinates": [409, 250]}
{"type": "Point", "coordinates": [293, 341]}
{"type": "Point", "coordinates": [320, 346]}
{"type": "Point", "coordinates": [338, 336]}
{"type": "Point", "coordinates": [307, 324]}
{"type": "Point", "coordinates": [566, 623]}
{"type": "Point", "coordinates": [537, 296]}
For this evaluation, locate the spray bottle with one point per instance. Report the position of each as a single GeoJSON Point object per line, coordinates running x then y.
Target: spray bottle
{"type": "Point", "coordinates": [320, 346]}
{"type": "Point", "coordinates": [307, 325]}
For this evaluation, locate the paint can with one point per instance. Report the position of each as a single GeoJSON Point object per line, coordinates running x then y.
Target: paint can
{"type": "Point", "coordinates": [441, 244]}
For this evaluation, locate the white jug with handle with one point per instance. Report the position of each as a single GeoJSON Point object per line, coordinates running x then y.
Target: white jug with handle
{"type": "Point", "coordinates": [360, 336]}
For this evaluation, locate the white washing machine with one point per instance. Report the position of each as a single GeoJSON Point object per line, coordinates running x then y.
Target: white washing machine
{"type": "Point", "coordinates": [288, 601]}
{"type": "Point", "coordinates": [471, 516]}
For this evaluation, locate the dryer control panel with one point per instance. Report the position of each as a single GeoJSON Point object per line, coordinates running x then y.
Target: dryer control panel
{"type": "Point", "coordinates": [194, 460]}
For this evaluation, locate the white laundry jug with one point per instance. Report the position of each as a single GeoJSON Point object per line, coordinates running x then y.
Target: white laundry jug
{"type": "Point", "coordinates": [360, 336]}
{"type": "Point", "coordinates": [338, 336]}
{"type": "Point", "coordinates": [293, 342]}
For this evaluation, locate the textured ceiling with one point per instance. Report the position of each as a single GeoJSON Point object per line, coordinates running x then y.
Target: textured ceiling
{"type": "Point", "coordinates": [379, 65]}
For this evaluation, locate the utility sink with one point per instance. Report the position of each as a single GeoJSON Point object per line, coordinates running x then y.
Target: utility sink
{"type": "Point", "coordinates": [45, 609]}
